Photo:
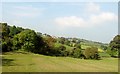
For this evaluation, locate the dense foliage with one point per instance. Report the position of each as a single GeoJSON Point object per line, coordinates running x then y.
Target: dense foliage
{"type": "Point", "coordinates": [16, 38]}
{"type": "Point", "coordinates": [114, 46]}
{"type": "Point", "coordinates": [91, 52]}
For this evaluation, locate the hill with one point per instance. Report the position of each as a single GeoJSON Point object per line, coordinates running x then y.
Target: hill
{"type": "Point", "coordinates": [29, 62]}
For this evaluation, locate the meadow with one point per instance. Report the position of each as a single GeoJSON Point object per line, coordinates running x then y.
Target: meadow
{"type": "Point", "coordinates": [30, 62]}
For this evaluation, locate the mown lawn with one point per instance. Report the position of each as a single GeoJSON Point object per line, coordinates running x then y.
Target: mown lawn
{"type": "Point", "coordinates": [29, 62]}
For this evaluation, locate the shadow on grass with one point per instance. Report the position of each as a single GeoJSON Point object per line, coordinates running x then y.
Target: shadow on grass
{"type": "Point", "coordinates": [22, 52]}
{"type": "Point", "coordinates": [8, 62]}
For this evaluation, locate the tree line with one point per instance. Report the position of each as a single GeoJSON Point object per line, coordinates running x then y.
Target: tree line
{"type": "Point", "coordinates": [17, 38]}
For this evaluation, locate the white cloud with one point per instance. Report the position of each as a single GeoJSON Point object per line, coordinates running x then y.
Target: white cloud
{"type": "Point", "coordinates": [27, 11]}
{"type": "Point", "coordinates": [93, 19]}
{"type": "Point", "coordinates": [102, 18]}
{"type": "Point", "coordinates": [70, 21]}
{"type": "Point", "coordinates": [92, 8]}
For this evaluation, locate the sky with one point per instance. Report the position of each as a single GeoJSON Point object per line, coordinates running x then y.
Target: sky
{"type": "Point", "coordinates": [96, 21]}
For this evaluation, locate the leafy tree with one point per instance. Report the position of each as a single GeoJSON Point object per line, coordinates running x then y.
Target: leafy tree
{"type": "Point", "coordinates": [77, 53]}
{"type": "Point", "coordinates": [91, 53]}
{"type": "Point", "coordinates": [50, 41]}
{"type": "Point", "coordinates": [6, 41]}
{"type": "Point", "coordinates": [62, 40]}
{"type": "Point", "coordinates": [78, 46]}
{"type": "Point", "coordinates": [16, 43]}
{"type": "Point", "coordinates": [115, 45]}
{"type": "Point", "coordinates": [5, 29]}
{"type": "Point", "coordinates": [67, 42]}
{"type": "Point", "coordinates": [71, 53]}
{"type": "Point", "coordinates": [104, 47]}
{"type": "Point", "coordinates": [15, 30]}
{"type": "Point", "coordinates": [61, 50]}
{"type": "Point", "coordinates": [48, 46]}
{"type": "Point", "coordinates": [25, 40]}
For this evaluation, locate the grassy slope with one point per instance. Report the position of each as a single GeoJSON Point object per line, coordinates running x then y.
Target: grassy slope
{"type": "Point", "coordinates": [39, 63]}
{"type": "Point", "coordinates": [86, 46]}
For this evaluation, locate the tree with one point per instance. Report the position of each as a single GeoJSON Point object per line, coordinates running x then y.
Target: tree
{"type": "Point", "coordinates": [115, 45]}
{"type": "Point", "coordinates": [91, 53]}
{"type": "Point", "coordinates": [49, 48]}
{"type": "Point", "coordinates": [77, 53]}
{"type": "Point", "coordinates": [104, 47]}
{"type": "Point", "coordinates": [25, 40]}
{"type": "Point", "coordinates": [62, 50]}
{"type": "Point", "coordinates": [6, 41]}
{"type": "Point", "coordinates": [78, 46]}
{"type": "Point", "coordinates": [62, 40]}
{"type": "Point", "coordinates": [49, 41]}
{"type": "Point", "coordinates": [5, 29]}
{"type": "Point", "coordinates": [15, 30]}
{"type": "Point", "coordinates": [67, 42]}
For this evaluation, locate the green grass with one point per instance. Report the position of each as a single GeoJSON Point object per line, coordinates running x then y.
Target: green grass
{"type": "Point", "coordinates": [68, 48]}
{"type": "Point", "coordinates": [82, 46]}
{"type": "Point", "coordinates": [104, 54]}
{"type": "Point", "coordinates": [29, 62]}
{"type": "Point", "coordinates": [86, 46]}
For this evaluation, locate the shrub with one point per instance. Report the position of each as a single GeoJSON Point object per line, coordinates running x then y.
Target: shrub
{"type": "Point", "coordinates": [77, 53]}
{"type": "Point", "coordinates": [91, 53]}
{"type": "Point", "coordinates": [62, 51]}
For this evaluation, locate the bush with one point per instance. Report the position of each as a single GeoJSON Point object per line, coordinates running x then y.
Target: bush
{"type": "Point", "coordinates": [77, 53]}
{"type": "Point", "coordinates": [78, 46]}
{"type": "Point", "coordinates": [91, 53]}
{"type": "Point", "coordinates": [61, 50]}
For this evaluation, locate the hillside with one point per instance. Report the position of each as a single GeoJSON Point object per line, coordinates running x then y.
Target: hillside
{"type": "Point", "coordinates": [29, 62]}
{"type": "Point", "coordinates": [25, 50]}
{"type": "Point", "coordinates": [18, 38]}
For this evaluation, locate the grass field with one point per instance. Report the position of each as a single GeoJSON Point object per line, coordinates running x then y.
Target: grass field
{"type": "Point", "coordinates": [29, 62]}
{"type": "Point", "coordinates": [85, 46]}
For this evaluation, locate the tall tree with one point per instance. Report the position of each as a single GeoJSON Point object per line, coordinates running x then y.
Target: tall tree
{"type": "Point", "coordinates": [14, 30]}
{"type": "Point", "coordinates": [25, 40]}
{"type": "Point", "coordinates": [5, 29]}
{"type": "Point", "coordinates": [6, 41]}
{"type": "Point", "coordinates": [115, 45]}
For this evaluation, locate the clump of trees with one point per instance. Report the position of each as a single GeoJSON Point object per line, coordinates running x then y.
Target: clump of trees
{"type": "Point", "coordinates": [16, 38]}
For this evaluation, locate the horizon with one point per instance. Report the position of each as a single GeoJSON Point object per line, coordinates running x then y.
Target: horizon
{"type": "Point", "coordinates": [79, 20]}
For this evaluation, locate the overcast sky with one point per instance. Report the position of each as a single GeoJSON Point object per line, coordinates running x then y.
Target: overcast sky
{"type": "Point", "coordinates": [95, 21]}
